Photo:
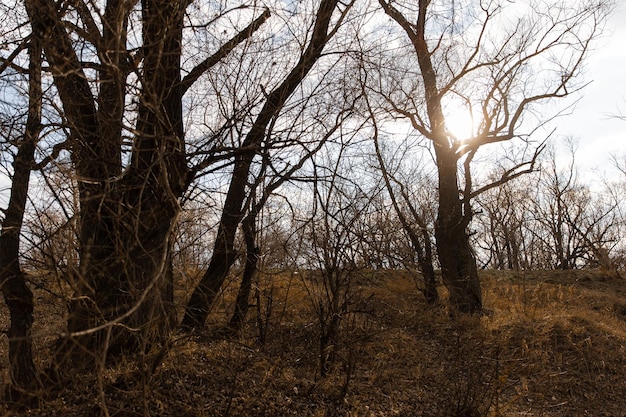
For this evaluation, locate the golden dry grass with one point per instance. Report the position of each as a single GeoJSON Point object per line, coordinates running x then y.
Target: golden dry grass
{"type": "Point", "coordinates": [549, 344]}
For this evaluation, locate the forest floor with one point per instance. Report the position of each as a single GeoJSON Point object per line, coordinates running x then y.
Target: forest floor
{"type": "Point", "coordinates": [548, 344]}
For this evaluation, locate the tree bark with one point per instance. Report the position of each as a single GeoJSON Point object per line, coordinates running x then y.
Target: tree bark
{"type": "Point", "coordinates": [458, 264]}
{"type": "Point", "coordinates": [17, 295]}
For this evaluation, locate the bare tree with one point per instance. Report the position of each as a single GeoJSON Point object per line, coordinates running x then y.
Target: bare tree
{"type": "Point", "coordinates": [479, 59]}
{"type": "Point", "coordinates": [413, 223]}
{"type": "Point", "coordinates": [224, 252]}
{"type": "Point", "coordinates": [505, 215]}
{"type": "Point", "coordinates": [580, 228]}
{"type": "Point", "coordinates": [331, 243]}
{"type": "Point", "coordinates": [13, 281]}
{"type": "Point", "coordinates": [549, 220]}
{"type": "Point", "coordinates": [267, 183]}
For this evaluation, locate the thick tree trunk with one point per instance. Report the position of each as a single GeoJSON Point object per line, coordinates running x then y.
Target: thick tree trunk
{"type": "Point", "coordinates": [158, 174]}
{"type": "Point", "coordinates": [17, 295]}
{"type": "Point", "coordinates": [458, 267]}
{"type": "Point", "coordinates": [458, 264]}
{"type": "Point", "coordinates": [94, 161]}
{"type": "Point", "coordinates": [124, 303]}
{"type": "Point", "coordinates": [123, 299]}
{"type": "Point", "coordinates": [19, 300]}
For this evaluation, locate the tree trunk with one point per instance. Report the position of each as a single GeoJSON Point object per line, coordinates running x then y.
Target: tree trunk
{"type": "Point", "coordinates": [428, 271]}
{"type": "Point", "coordinates": [224, 252]}
{"type": "Point", "coordinates": [123, 299]}
{"type": "Point", "coordinates": [250, 269]}
{"type": "Point", "coordinates": [458, 264]}
{"type": "Point", "coordinates": [124, 303]}
{"type": "Point", "coordinates": [17, 295]}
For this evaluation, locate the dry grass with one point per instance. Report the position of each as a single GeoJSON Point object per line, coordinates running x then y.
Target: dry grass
{"type": "Point", "coordinates": [549, 344]}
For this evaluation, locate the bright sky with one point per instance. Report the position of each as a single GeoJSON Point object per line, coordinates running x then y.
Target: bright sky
{"type": "Point", "coordinates": [591, 123]}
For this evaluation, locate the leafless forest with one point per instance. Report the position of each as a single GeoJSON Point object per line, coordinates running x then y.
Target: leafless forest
{"type": "Point", "coordinates": [313, 207]}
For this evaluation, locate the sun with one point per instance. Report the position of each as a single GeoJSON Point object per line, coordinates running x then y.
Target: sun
{"type": "Point", "coordinates": [461, 124]}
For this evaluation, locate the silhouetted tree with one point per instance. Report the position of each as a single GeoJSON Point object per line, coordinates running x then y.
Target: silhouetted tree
{"type": "Point", "coordinates": [465, 59]}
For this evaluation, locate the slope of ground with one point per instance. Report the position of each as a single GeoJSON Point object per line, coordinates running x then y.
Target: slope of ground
{"type": "Point", "coordinates": [548, 344]}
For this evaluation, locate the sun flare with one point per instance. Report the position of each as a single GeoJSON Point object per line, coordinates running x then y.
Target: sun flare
{"type": "Point", "coordinates": [461, 124]}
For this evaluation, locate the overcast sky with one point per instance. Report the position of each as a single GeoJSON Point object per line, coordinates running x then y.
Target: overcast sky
{"type": "Point", "coordinates": [590, 122]}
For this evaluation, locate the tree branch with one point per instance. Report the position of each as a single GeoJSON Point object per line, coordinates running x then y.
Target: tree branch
{"type": "Point", "coordinates": [205, 65]}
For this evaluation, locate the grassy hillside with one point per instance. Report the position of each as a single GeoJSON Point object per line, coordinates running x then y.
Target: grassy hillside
{"type": "Point", "coordinates": [549, 344]}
